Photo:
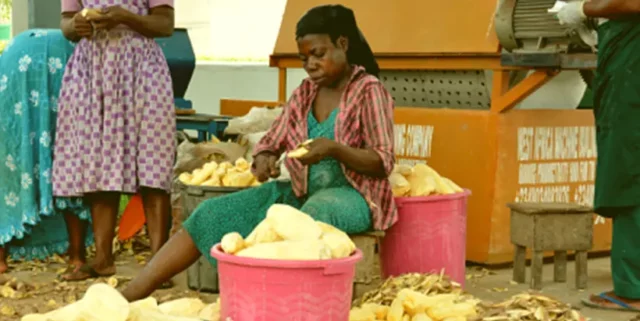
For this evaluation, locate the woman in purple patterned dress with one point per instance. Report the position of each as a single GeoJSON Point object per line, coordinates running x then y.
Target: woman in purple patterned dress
{"type": "Point", "coordinates": [116, 120]}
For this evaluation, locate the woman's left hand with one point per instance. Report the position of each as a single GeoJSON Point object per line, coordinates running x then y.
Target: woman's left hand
{"type": "Point", "coordinates": [111, 17]}
{"type": "Point", "coordinates": [319, 149]}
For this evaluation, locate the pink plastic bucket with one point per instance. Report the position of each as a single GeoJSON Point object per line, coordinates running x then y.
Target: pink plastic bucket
{"type": "Point", "coordinates": [430, 235]}
{"type": "Point", "coordinates": [275, 290]}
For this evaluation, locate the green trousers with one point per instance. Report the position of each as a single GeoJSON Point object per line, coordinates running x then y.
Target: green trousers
{"type": "Point", "coordinates": [625, 253]}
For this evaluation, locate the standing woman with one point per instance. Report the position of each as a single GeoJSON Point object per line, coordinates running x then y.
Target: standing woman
{"type": "Point", "coordinates": [117, 118]}
{"type": "Point", "coordinates": [616, 90]}
{"type": "Point", "coordinates": [32, 222]}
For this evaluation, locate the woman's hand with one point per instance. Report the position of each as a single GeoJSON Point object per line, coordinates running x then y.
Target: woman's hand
{"type": "Point", "coordinates": [265, 166]}
{"type": "Point", "coordinates": [572, 14]}
{"type": "Point", "coordinates": [81, 26]}
{"type": "Point", "coordinates": [319, 149]}
{"type": "Point", "coordinates": [111, 17]}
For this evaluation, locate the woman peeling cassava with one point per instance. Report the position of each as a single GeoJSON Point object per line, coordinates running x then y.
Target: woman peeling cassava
{"type": "Point", "coordinates": [342, 180]}
{"type": "Point", "coordinates": [616, 90]}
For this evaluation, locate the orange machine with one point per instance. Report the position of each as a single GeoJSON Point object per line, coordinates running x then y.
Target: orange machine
{"type": "Point", "coordinates": [459, 93]}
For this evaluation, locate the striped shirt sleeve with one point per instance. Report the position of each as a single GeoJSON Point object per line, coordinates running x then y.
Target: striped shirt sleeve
{"type": "Point", "coordinates": [274, 140]}
{"type": "Point", "coordinates": [377, 122]}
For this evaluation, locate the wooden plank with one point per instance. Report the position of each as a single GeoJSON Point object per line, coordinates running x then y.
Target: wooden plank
{"type": "Point", "coordinates": [236, 107]}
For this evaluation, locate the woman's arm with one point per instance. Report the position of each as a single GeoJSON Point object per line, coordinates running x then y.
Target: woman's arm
{"type": "Point", "coordinates": [69, 10]}
{"type": "Point", "coordinates": [611, 8]}
{"type": "Point", "coordinates": [377, 158]}
{"type": "Point", "coordinates": [66, 24]}
{"type": "Point", "coordinates": [274, 141]}
{"type": "Point", "coordinates": [157, 24]}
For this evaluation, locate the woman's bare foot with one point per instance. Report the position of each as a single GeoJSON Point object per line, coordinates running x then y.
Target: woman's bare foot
{"type": "Point", "coordinates": [602, 301]}
{"type": "Point", "coordinates": [3, 261]}
{"type": "Point", "coordinates": [83, 272]}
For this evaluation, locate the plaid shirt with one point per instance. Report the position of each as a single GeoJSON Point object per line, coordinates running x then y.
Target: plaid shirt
{"type": "Point", "coordinates": [365, 120]}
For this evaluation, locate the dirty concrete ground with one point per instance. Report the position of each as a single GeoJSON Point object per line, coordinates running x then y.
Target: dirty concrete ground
{"type": "Point", "coordinates": [491, 285]}
{"type": "Point", "coordinates": [497, 286]}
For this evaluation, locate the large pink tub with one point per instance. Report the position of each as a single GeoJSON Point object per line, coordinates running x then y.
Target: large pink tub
{"type": "Point", "coordinates": [430, 235]}
{"type": "Point", "coordinates": [275, 290]}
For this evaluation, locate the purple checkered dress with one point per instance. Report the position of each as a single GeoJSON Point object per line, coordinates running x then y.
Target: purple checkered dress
{"type": "Point", "coordinates": [116, 119]}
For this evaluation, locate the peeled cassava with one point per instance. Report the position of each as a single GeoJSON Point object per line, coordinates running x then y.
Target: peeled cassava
{"type": "Point", "coordinates": [301, 150]}
{"type": "Point", "coordinates": [339, 242]}
{"type": "Point", "coordinates": [453, 185]}
{"type": "Point", "coordinates": [441, 186]}
{"type": "Point", "coordinates": [292, 224]}
{"type": "Point", "coordinates": [242, 164]}
{"type": "Point", "coordinates": [241, 179]}
{"type": "Point", "coordinates": [222, 174]}
{"type": "Point", "coordinates": [420, 184]}
{"type": "Point", "coordinates": [66, 313]}
{"type": "Point", "coordinates": [185, 307]}
{"type": "Point", "coordinates": [211, 312]}
{"type": "Point", "coordinates": [103, 303]}
{"type": "Point", "coordinates": [403, 169]}
{"type": "Point", "coordinates": [289, 250]}
{"type": "Point", "coordinates": [298, 152]}
{"type": "Point", "coordinates": [155, 315]}
{"type": "Point", "coordinates": [90, 13]}
{"type": "Point", "coordinates": [232, 243]}
{"type": "Point", "coordinates": [263, 233]}
{"type": "Point", "coordinates": [148, 303]}
{"type": "Point", "coordinates": [399, 185]}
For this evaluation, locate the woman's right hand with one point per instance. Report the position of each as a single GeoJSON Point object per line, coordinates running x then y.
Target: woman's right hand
{"type": "Point", "coordinates": [82, 26]}
{"type": "Point", "coordinates": [265, 166]}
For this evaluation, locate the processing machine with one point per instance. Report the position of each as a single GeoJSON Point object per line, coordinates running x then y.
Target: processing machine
{"type": "Point", "coordinates": [486, 96]}
{"type": "Point", "coordinates": [181, 58]}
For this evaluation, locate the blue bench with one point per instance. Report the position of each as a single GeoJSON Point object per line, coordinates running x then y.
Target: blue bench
{"type": "Point", "coordinates": [207, 126]}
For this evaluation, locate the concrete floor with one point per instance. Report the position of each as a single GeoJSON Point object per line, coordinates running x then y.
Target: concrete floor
{"type": "Point", "coordinates": [499, 286]}
{"type": "Point", "coordinates": [493, 286]}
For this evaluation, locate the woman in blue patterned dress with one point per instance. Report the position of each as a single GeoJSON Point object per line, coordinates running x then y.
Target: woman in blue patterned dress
{"type": "Point", "coordinates": [34, 225]}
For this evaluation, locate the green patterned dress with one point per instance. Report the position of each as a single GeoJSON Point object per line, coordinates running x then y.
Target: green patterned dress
{"type": "Point", "coordinates": [330, 199]}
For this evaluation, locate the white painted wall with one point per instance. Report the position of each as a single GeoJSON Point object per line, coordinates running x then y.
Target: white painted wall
{"type": "Point", "coordinates": [212, 82]}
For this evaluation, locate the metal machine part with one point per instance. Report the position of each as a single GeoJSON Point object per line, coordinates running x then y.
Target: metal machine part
{"type": "Point", "coordinates": [439, 89]}
{"type": "Point", "coordinates": [525, 26]}
{"type": "Point", "coordinates": [471, 90]}
{"type": "Point", "coordinates": [181, 58]}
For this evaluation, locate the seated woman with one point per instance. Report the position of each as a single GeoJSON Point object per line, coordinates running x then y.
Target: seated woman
{"type": "Point", "coordinates": [33, 225]}
{"type": "Point", "coordinates": [342, 181]}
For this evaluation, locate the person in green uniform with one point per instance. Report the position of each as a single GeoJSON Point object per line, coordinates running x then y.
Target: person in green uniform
{"type": "Point", "coordinates": [342, 180]}
{"type": "Point", "coordinates": [616, 90]}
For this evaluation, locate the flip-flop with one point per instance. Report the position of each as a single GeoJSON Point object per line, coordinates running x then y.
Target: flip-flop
{"type": "Point", "coordinates": [620, 306]}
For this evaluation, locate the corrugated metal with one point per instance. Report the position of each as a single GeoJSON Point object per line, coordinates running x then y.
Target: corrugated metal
{"type": "Point", "coordinates": [531, 20]}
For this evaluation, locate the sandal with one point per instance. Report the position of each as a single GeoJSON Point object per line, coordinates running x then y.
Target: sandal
{"type": "Point", "coordinates": [619, 305]}
{"type": "Point", "coordinates": [81, 273]}
{"type": "Point", "coordinates": [166, 285]}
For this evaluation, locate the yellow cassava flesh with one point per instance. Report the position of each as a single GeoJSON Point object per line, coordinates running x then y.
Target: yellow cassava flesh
{"type": "Point", "coordinates": [263, 233]}
{"type": "Point", "coordinates": [232, 243]}
{"type": "Point", "coordinates": [338, 241]}
{"type": "Point", "coordinates": [292, 224]}
{"type": "Point", "coordinates": [288, 250]}
{"type": "Point", "coordinates": [399, 185]}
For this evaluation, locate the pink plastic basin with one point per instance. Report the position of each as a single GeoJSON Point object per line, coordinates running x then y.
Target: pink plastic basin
{"type": "Point", "coordinates": [430, 235]}
{"type": "Point", "coordinates": [275, 290]}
